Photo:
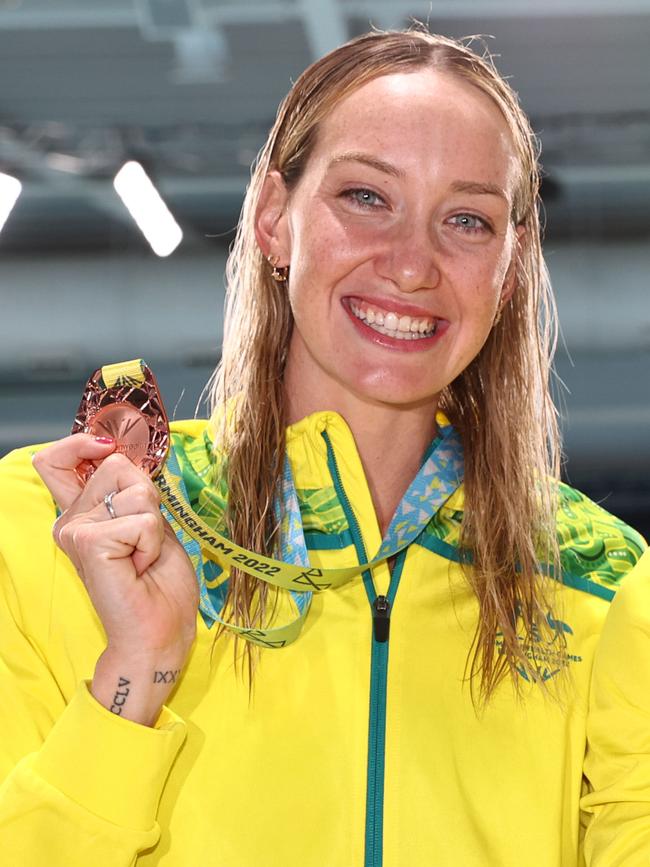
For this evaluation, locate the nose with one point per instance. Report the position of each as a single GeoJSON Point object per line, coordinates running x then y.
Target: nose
{"type": "Point", "coordinates": [410, 258]}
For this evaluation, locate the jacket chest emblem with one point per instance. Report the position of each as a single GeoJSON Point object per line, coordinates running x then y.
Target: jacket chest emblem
{"type": "Point", "coordinates": [547, 648]}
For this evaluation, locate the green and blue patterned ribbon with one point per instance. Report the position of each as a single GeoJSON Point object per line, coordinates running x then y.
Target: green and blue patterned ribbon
{"type": "Point", "coordinates": [437, 479]}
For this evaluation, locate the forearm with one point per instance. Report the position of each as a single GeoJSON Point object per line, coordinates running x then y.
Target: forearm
{"type": "Point", "coordinates": [136, 686]}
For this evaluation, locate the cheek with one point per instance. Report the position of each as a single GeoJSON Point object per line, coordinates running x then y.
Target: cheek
{"type": "Point", "coordinates": [478, 292]}
{"type": "Point", "coordinates": [325, 243]}
{"type": "Point", "coordinates": [486, 277]}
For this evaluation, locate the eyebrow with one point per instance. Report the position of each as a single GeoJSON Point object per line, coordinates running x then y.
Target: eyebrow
{"type": "Point", "coordinates": [367, 160]}
{"type": "Point", "coordinates": [477, 188]}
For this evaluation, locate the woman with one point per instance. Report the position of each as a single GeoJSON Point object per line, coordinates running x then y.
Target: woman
{"type": "Point", "coordinates": [388, 331]}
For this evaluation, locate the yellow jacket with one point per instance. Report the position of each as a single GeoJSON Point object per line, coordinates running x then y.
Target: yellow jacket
{"type": "Point", "coordinates": [344, 756]}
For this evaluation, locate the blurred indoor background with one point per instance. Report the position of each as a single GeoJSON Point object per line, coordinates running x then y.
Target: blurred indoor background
{"type": "Point", "coordinates": [188, 88]}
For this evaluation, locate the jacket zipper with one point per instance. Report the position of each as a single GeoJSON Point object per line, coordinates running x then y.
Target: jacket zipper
{"type": "Point", "coordinates": [381, 607]}
{"type": "Point", "coordinates": [381, 619]}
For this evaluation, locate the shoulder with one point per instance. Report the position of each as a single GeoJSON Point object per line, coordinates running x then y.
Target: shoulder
{"type": "Point", "coordinates": [629, 616]}
{"type": "Point", "coordinates": [22, 492]}
{"type": "Point", "coordinates": [193, 443]}
{"type": "Point", "coordinates": [190, 429]}
{"type": "Point", "coordinates": [198, 468]}
{"type": "Point", "coordinates": [27, 550]}
{"type": "Point", "coordinates": [597, 550]}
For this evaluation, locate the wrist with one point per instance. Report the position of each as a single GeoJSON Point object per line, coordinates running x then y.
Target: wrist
{"type": "Point", "coordinates": [136, 686]}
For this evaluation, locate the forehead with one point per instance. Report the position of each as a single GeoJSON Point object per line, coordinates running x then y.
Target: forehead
{"type": "Point", "coordinates": [422, 121]}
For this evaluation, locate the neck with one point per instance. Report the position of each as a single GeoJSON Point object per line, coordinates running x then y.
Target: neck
{"type": "Point", "coordinates": [390, 439]}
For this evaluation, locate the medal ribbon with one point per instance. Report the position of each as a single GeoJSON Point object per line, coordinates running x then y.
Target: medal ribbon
{"type": "Point", "coordinates": [293, 548]}
{"type": "Point", "coordinates": [124, 373]}
{"type": "Point", "coordinates": [437, 479]}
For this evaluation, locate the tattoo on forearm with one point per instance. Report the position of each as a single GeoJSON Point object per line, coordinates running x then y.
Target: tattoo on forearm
{"type": "Point", "coordinates": [119, 699]}
{"type": "Point", "coordinates": [166, 676]}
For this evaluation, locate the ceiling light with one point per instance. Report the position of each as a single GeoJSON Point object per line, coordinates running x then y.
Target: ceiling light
{"type": "Point", "coordinates": [9, 191]}
{"type": "Point", "coordinates": [144, 203]}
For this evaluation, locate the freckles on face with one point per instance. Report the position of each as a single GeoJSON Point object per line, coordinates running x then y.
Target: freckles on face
{"type": "Point", "coordinates": [324, 239]}
{"type": "Point", "coordinates": [403, 208]}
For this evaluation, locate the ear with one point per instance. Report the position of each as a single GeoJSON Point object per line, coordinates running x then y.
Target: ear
{"type": "Point", "coordinates": [271, 224]}
{"type": "Point", "coordinates": [510, 282]}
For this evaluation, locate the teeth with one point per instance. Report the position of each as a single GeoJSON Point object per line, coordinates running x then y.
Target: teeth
{"type": "Point", "coordinates": [400, 327]}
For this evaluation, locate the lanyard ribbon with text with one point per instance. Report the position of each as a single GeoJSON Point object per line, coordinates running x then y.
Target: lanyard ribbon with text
{"type": "Point", "coordinates": [437, 479]}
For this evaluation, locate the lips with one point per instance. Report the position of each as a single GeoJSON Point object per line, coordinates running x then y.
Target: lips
{"type": "Point", "coordinates": [393, 323]}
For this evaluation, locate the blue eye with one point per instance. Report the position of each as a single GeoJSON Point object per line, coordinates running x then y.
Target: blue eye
{"type": "Point", "coordinates": [363, 197]}
{"type": "Point", "coordinates": [471, 223]}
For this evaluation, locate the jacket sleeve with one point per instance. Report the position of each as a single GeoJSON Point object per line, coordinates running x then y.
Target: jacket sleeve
{"type": "Point", "coordinates": [78, 784]}
{"type": "Point", "coordinates": [617, 764]}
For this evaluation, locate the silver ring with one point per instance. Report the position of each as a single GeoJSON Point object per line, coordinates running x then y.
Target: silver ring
{"type": "Point", "coordinates": [108, 502]}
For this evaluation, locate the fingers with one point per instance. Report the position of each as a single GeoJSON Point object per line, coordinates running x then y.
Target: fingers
{"type": "Point", "coordinates": [118, 473]}
{"type": "Point", "coordinates": [119, 549]}
{"type": "Point", "coordinates": [56, 464]}
{"type": "Point", "coordinates": [136, 498]}
{"type": "Point", "coordinates": [137, 530]}
{"type": "Point", "coordinates": [142, 500]}
{"type": "Point", "coordinates": [135, 493]}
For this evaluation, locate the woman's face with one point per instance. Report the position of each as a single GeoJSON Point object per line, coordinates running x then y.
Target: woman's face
{"type": "Point", "coordinates": [399, 241]}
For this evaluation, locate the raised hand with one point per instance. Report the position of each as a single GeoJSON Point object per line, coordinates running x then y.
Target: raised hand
{"type": "Point", "coordinates": [139, 579]}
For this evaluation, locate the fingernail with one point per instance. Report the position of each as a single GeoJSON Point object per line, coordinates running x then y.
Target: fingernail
{"type": "Point", "coordinates": [105, 441]}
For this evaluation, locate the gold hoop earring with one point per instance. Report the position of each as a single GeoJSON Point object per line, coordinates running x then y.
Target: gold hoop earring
{"type": "Point", "coordinates": [280, 275]}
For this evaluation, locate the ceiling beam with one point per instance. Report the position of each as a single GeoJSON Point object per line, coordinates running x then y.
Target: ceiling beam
{"type": "Point", "coordinates": [638, 175]}
{"type": "Point", "coordinates": [82, 18]}
{"type": "Point", "coordinates": [328, 13]}
{"type": "Point", "coordinates": [209, 187]}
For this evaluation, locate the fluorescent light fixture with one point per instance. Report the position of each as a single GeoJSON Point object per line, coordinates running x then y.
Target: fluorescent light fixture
{"type": "Point", "coordinates": [9, 191]}
{"type": "Point", "coordinates": [147, 208]}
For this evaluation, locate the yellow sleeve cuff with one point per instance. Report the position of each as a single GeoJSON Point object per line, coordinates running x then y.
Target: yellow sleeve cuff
{"type": "Point", "coordinates": [111, 766]}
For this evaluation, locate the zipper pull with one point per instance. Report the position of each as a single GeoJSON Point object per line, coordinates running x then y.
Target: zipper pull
{"type": "Point", "coordinates": [381, 619]}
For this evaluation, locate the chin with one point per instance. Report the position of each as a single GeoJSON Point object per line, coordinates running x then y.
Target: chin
{"type": "Point", "coordinates": [397, 394]}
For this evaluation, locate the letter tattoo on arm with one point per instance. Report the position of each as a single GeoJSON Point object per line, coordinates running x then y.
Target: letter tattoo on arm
{"type": "Point", "coordinates": [119, 699]}
{"type": "Point", "coordinates": [166, 676]}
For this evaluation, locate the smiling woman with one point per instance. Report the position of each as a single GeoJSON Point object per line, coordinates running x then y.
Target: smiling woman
{"type": "Point", "coordinates": [401, 181]}
{"type": "Point", "coordinates": [379, 536]}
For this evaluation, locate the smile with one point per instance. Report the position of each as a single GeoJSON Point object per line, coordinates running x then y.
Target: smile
{"type": "Point", "coordinates": [394, 325]}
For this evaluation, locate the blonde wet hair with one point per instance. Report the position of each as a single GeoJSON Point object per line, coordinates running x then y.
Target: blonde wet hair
{"type": "Point", "coordinates": [500, 403]}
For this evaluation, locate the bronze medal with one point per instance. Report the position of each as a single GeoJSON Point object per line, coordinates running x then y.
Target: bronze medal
{"type": "Point", "coordinates": [123, 401]}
